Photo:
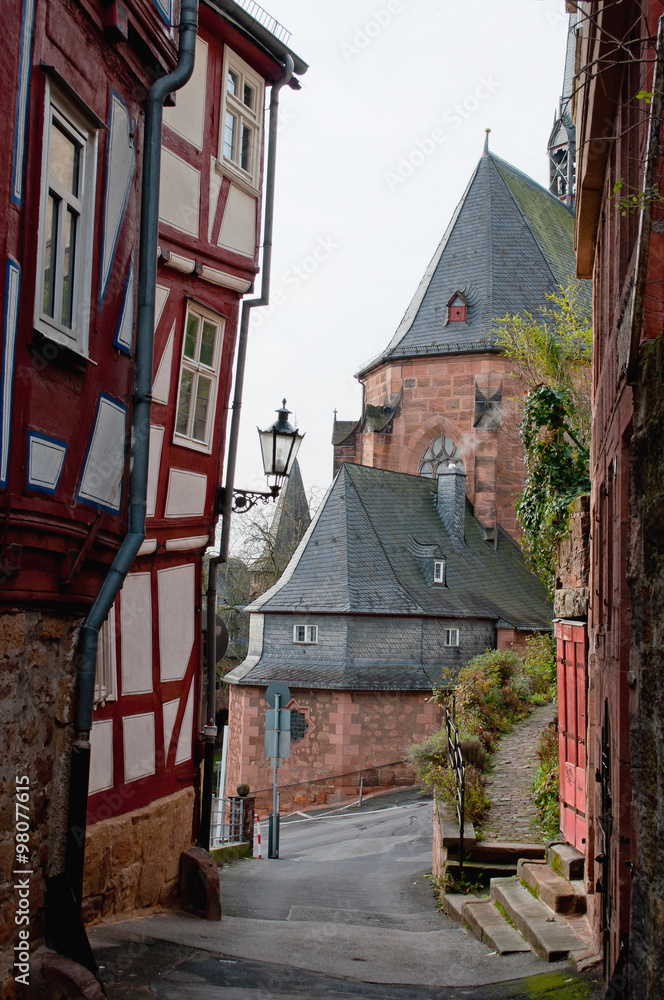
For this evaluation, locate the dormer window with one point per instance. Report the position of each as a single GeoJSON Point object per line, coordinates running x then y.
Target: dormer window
{"type": "Point", "coordinates": [439, 571]}
{"type": "Point", "coordinates": [457, 309]}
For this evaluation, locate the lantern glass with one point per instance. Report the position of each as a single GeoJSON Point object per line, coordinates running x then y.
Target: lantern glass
{"type": "Point", "coordinates": [280, 444]}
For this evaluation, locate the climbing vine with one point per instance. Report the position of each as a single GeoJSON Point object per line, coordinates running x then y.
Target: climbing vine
{"type": "Point", "coordinates": [557, 464]}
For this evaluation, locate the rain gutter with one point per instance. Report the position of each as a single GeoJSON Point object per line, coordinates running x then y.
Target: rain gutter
{"type": "Point", "coordinates": [142, 402]}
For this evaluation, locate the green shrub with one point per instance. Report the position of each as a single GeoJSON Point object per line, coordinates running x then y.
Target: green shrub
{"type": "Point", "coordinates": [474, 752]}
{"type": "Point", "coordinates": [546, 781]}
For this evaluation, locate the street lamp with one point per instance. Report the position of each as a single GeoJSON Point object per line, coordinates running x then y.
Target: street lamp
{"type": "Point", "coordinates": [280, 444]}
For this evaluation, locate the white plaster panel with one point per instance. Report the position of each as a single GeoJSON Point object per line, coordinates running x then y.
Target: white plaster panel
{"type": "Point", "coordinates": [238, 227]}
{"type": "Point", "coordinates": [154, 462]}
{"type": "Point", "coordinates": [179, 194]}
{"type": "Point", "coordinates": [160, 296]}
{"type": "Point", "coordinates": [162, 382]}
{"type": "Point", "coordinates": [136, 635]}
{"type": "Point", "coordinates": [101, 756]}
{"type": "Point", "coordinates": [139, 751]}
{"type": "Point", "coordinates": [170, 709]}
{"type": "Point", "coordinates": [45, 460]}
{"type": "Point", "coordinates": [148, 547]}
{"type": "Point", "coordinates": [215, 188]}
{"type": "Point", "coordinates": [186, 544]}
{"type": "Point", "coordinates": [121, 158]}
{"type": "Point", "coordinates": [177, 597]}
{"type": "Point", "coordinates": [186, 493]}
{"type": "Point", "coordinates": [125, 331]}
{"type": "Point", "coordinates": [101, 481]}
{"type": "Point", "coordinates": [183, 751]}
{"type": "Point", "coordinates": [187, 117]}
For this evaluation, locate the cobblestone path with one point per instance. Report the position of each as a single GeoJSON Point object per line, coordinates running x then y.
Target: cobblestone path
{"type": "Point", "coordinates": [513, 816]}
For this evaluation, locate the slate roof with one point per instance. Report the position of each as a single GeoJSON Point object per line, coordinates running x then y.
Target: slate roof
{"type": "Point", "coordinates": [341, 429]}
{"type": "Point", "coordinates": [362, 555]}
{"type": "Point", "coordinates": [356, 557]}
{"type": "Point", "coordinates": [509, 243]}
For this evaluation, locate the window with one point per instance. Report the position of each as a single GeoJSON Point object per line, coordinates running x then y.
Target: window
{"type": "Point", "coordinates": [305, 634]}
{"type": "Point", "coordinates": [106, 672]}
{"type": "Point", "coordinates": [441, 452]}
{"type": "Point", "coordinates": [439, 571]}
{"type": "Point", "coordinates": [243, 113]}
{"type": "Point", "coordinates": [199, 374]}
{"type": "Point", "coordinates": [62, 303]}
{"type": "Point", "coordinates": [457, 309]}
{"type": "Point", "coordinates": [451, 636]}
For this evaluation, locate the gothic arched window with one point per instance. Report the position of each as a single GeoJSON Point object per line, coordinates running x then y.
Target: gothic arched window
{"type": "Point", "coordinates": [441, 452]}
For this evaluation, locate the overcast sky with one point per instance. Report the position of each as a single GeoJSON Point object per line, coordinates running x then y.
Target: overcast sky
{"type": "Point", "coordinates": [373, 155]}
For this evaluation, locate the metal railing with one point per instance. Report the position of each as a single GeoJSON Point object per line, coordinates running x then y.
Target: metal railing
{"type": "Point", "coordinates": [227, 820]}
{"type": "Point", "coordinates": [262, 17]}
{"type": "Point", "coordinates": [459, 771]}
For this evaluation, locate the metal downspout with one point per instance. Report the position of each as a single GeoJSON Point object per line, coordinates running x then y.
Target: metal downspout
{"type": "Point", "coordinates": [210, 729]}
{"type": "Point", "coordinates": [142, 400]}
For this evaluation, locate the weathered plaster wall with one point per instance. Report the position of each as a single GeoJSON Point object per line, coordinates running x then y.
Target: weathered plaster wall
{"type": "Point", "coordinates": [132, 861]}
{"type": "Point", "coordinates": [646, 677]}
{"type": "Point", "coordinates": [36, 704]}
{"type": "Point", "coordinates": [347, 730]}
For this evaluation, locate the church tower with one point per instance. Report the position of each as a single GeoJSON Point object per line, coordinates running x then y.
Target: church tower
{"type": "Point", "coordinates": [441, 392]}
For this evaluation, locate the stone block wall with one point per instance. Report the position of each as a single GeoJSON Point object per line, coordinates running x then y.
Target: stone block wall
{"type": "Point", "coordinates": [572, 577]}
{"type": "Point", "coordinates": [37, 672]}
{"type": "Point", "coordinates": [347, 731]}
{"type": "Point", "coordinates": [132, 861]}
{"type": "Point", "coordinates": [439, 398]}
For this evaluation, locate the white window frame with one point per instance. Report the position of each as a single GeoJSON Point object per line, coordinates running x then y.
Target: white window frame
{"type": "Point", "coordinates": [106, 673]}
{"type": "Point", "coordinates": [451, 637]}
{"type": "Point", "coordinates": [439, 571]}
{"type": "Point", "coordinates": [74, 123]}
{"type": "Point", "coordinates": [198, 368]}
{"type": "Point", "coordinates": [309, 635]}
{"type": "Point", "coordinates": [246, 117]}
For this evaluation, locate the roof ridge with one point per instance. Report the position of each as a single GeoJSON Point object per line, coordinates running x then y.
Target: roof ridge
{"type": "Point", "coordinates": [525, 218]}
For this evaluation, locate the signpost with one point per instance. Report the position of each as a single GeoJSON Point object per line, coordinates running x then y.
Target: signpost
{"type": "Point", "coordinates": [277, 746]}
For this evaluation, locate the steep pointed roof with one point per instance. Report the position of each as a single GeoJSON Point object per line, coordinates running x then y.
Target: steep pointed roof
{"type": "Point", "coordinates": [291, 520]}
{"type": "Point", "coordinates": [509, 244]}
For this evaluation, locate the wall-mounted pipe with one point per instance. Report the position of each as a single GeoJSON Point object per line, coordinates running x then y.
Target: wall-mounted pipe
{"type": "Point", "coordinates": [210, 657]}
{"type": "Point", "coordinates": [142, 399]}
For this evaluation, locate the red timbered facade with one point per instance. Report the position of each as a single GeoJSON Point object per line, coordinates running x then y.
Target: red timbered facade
{"type": "Point", "coordinates": [79, 74]}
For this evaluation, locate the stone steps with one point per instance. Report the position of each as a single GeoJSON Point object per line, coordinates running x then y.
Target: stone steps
{"type": "Point", "coordinates": [553, 890]}
{"type": "Point", "coordinates": [528, 910]}
{"type": "Point", "coordinates": [549, 936]}
{"type": "Point", "coordinates": [489, 925]}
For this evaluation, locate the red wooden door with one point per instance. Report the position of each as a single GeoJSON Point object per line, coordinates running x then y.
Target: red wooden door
{"type": "Point", "coordinates": [572, 661]}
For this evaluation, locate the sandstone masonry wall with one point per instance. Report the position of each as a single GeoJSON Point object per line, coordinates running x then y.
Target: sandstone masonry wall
{"type": "Point", "coordinates": [346, 730]}
{"type": "Point", "coordinates": [36, 709]}
{"type": "Point", "coordinates": [132, 861]}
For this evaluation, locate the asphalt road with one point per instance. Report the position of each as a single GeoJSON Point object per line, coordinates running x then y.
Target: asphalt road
{"type": "Point", "coordinates": [346, 912]}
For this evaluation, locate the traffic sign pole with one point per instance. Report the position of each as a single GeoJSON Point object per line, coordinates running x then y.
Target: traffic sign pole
{"type": "Point", "coordinates": [277, 745]}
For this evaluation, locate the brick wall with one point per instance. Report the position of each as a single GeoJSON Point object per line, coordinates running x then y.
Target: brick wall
{"type": "Point", "coordinates": [36, 704]}
{"type": "Point", "coordinates": [346, 730]}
